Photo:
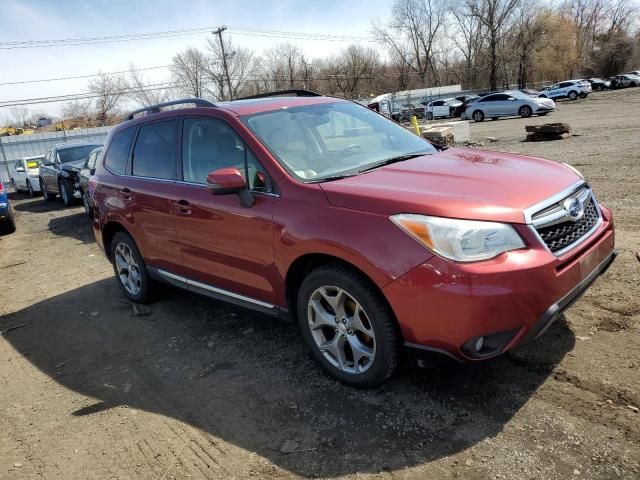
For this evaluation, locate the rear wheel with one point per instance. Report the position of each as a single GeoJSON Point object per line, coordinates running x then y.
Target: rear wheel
{"type": "Point", "coordinates": [634, 84]}
{"type": "Point", "coordinates": [525, 111]}
{"type": "Point", "coordinates": [32, 193]}
{"type": "Point", "coordinates": [129, 267]}
{"type": "Point", "coordinates": [87, 205]}
{"type": "Point", "coordinates": [347, 325]}
{"type": "Point", "coordinates": [478, 116]}
{"type": "Point", "coordinates": [573, 95]}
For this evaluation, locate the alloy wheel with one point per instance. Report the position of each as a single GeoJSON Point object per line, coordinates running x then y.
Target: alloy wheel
{"type": "Point", "coordinates": [341, 329]}
{"type": "Point", "coordinates": [127, 269]}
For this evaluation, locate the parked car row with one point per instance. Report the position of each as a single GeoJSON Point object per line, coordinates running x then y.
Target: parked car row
{"type": "Point", "coordinates": [62, 172]}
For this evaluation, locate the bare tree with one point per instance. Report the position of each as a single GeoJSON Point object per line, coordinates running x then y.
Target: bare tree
{"type": "Point", "coordinates": [189, 70]}
{"type": "Point", "coordinates": [467, 36]}
{"type": "Point", "coordinates": [78, 111]}
{"type": "Point", "coordinates": [109, 90]}
{"type": "Point", "coordinates": [20, 116]}
{"type": "Point", "coordinates": [283, 65]}
{"type": "Point", "coordinates": [419, 24]}
{"type": "Point", "coordinates": [353, 70]}
{"type": "Point", "coordinates": [495, 16]}
{"type": "Point", "coordinates": [143, 92]}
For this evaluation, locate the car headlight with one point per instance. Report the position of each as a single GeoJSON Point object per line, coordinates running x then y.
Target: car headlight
{"type": "Point", "coordinates": [460, 240]}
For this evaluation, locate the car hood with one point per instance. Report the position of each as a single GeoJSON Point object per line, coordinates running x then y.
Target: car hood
{"type": "Point", "coordinates": [458, 183]}
{"type": "Point", "coordinates": [74, 166]}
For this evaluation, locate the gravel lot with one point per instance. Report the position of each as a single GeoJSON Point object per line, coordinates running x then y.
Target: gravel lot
{"type": "Point", "coordinates": [200, 389]}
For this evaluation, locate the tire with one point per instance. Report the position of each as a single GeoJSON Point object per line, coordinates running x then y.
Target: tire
{"type": "Point", "coordinates": [46, 196]}
{"type": "Point", "coordinates": [66, 193]}
{"type": "Point", "coordinates": [121, 245]}
{"type": "Point", "coordinates": [382, 345]}
{"type": "Point", "coordinates": [478, 116]}
{"type": "Point", "coordinates": [573, 95]}
{"type": "Point", "coordinates": [633, 84]}
{"type": "Point", "coordinates": [8, 225]}
{"type": "Point", "coordinates": [87, 205]}
{"type": "Point", "coordinates": [429, 116]}
{"type": "Point", "coordinates": [583, 95]}
{"type": "Point", "coordinates": [525, 111]}
{"type": "Point", "coordinates": [32, 193]}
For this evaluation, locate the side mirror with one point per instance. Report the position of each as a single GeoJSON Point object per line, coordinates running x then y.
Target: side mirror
{"type": "Point", "coordinates": [20, 170]}
{"type": "Point", "coordinates": [229, 180]}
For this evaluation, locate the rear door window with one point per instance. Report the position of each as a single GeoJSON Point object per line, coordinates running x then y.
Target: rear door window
{"type": "Point", "coordinates": [154, 154]}
{"type": "Point", "coordinates": [118, 151]}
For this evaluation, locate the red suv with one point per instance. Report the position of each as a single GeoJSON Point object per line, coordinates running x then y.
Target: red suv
{"type": "Point", "coordinates": [318, 209]}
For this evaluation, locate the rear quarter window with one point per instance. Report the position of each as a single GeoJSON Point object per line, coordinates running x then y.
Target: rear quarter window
{"type": "Point", "coordinates": [118, 151]}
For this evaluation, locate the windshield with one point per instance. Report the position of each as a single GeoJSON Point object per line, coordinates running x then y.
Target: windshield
{"type": "Point", "coordinates": [73, 154]}
{"type": "Point", "coordinates": [315, 142]}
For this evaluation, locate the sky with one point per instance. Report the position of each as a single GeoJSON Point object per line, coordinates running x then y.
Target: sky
{"type": "Point", "coordinates": [46, 20]}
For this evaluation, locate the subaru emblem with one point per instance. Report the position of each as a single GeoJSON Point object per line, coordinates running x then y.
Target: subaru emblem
{"type": "Point", "coordinates": [573, 207]}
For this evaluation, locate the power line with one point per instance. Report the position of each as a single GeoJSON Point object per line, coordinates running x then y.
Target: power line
{"type": "Point", "coordinates": [75, 41]}
{"type": "Point", "coordinates": [42, 80]}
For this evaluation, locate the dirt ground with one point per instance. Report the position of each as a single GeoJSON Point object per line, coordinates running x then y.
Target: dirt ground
{"type": "Point", "coordinates": [201, 389]}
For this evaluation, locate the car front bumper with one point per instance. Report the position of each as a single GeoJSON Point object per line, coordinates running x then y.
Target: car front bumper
{"type": "Point", "coordinates": [447, 307]}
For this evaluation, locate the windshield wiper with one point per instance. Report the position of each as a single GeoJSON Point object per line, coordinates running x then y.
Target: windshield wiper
{"type": "Point", "coordinates": [330, 178]}
{"type": "Point", "coordinates": [389, 161]}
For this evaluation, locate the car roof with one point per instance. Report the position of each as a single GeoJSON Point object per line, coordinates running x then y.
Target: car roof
{"type": "Point", "coordinates": [64, 146]}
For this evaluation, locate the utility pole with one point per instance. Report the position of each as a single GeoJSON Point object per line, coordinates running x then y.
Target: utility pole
{"type": "Point", "coordinates": [218, 32]}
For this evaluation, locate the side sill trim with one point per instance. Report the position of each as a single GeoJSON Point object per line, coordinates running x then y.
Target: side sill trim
{"type": "Point", "coordinates": [210, 288]}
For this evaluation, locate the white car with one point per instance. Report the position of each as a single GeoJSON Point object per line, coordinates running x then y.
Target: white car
{"type": "Point", "coordinates": [441, 108]}
{"type": "Point", "coordinates": [25, 174]}
{"type": "Point", "coordinates": [626, 80]}
{"type": "Point", "coordinates": [571, 89]}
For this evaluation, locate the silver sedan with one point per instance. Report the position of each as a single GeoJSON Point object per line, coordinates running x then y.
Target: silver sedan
{"type": "Point", "coordinates": [507, 104]}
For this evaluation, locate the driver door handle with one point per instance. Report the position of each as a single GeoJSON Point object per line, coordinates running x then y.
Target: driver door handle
{"type": "Point", "coordinates": [183, 207]}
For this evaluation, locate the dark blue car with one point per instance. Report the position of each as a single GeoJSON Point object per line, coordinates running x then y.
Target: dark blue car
{"type": "Point", "coordinates": [7, 225]}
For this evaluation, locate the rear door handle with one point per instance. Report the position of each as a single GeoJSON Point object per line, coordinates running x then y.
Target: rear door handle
{"type": "Point", "coordinates": [183, 206]}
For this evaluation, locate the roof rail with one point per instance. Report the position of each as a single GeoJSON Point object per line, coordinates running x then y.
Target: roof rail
{"type": "Point", "coordinates": [278, 93]}
{"type": "Point", "coordinates": [200, 102]}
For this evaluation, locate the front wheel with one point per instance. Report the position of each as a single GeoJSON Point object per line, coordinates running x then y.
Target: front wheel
{"type": "Point", "coordinates": [86, 203]}
{"type": "Point", "coordinates": [525, 111]}
{"type": "Point", "coordinates": [634, 84]}
{"type": "Point", "coordinates": [347, 325]}
{"type": "Point", "coordinates": [129, 267]}
{"type": "Point", "coordinates": [66, 193]}
{"type": "Point", "coordinates": [478, 116]}
{"type": "Point", "coordinates": [573, 95]}
{"type": "Point", "coordinates": [429, 116]}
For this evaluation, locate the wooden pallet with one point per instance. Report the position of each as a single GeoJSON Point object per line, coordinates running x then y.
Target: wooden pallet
{"type": "Point", "coordinates": [548, 131]}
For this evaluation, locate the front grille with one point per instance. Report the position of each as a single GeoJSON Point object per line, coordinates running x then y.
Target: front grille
{"type": "Point", "coordinates": [561, 235]}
